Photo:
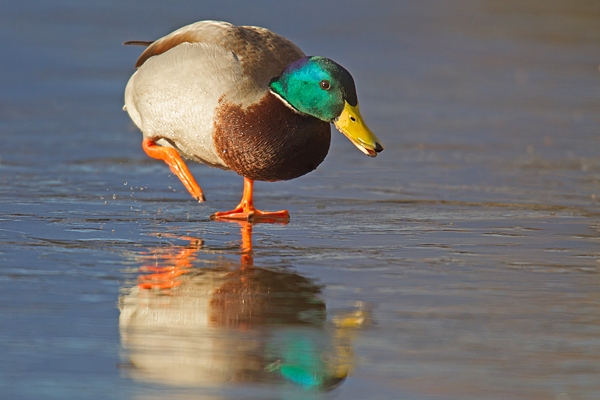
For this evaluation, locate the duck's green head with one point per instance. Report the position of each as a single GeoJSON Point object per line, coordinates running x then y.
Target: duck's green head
{"type": "Point", "coordinates": [324, 89]}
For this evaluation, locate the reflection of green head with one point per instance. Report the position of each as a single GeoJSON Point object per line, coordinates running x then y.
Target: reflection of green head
{"type": "Point", "coordinates": [316, 86]}
{"type": "Point", "coordinates": [309, 360]}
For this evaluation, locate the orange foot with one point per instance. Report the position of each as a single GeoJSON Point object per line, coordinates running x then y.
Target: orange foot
{"type": "Point", "coordinates": [245, 210]}
{"type": "Point", "coordinates": [178, 167]}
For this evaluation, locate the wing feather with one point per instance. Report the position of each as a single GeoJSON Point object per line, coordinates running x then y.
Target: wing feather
{"type": "Point", "coordinates": [263, 54]}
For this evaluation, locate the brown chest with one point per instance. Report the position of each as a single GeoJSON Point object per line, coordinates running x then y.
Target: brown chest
{"type": "Point", "coordinates": [268, 141]}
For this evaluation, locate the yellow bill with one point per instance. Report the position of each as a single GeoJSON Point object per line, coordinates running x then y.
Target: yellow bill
{"type": "Point", "coordinates": [351, 124]}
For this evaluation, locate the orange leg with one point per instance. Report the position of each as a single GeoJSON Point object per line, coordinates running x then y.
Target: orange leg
{"type": "Point", "coordinates": [246, 211]}
{"type": "Point", "coordinates": [178, 167]}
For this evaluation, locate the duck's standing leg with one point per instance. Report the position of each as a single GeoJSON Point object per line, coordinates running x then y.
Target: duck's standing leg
{"type": "Point", "coordinates": [246, 211]}
{"type": "Point", "coordinates": [178, 167]}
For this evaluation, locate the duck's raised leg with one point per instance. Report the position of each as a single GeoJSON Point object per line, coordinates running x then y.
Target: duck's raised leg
{"type": "Point", "coordinates": [178, 167]}
{"type": "Point", "coordinates": [246, 211]}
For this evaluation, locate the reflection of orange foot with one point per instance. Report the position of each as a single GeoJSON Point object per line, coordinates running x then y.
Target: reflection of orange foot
{"type": "Point", "coordinates": [178, 261]}
{"type": "Point", "coordinates": [159, 285]}
{"type": "Point", "coordinates": [164, 278]}
{"type": "Point", "coordinates": [245, 211]}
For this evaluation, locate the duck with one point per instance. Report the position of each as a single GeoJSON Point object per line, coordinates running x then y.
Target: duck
{"type": "Point", "coordinates": [241, 98]}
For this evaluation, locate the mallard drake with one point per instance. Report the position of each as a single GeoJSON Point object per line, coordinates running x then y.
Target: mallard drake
{"type": "Point", "coordinates": [241, 98]}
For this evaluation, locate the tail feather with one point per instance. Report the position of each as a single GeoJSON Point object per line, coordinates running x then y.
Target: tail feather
{"type": "Point", "coordinates": [137, 43]}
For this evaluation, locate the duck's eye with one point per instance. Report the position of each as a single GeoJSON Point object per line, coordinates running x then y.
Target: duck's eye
{"type": "Point", "coordinates": [325, 85]}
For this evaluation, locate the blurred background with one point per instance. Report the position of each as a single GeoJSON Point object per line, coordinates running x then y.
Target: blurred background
{"type": "Point", "coordinates": [461, 263]}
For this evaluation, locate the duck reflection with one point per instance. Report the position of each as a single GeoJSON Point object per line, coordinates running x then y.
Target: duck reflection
{"type": "Point", "coordinates": [184, 325]}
